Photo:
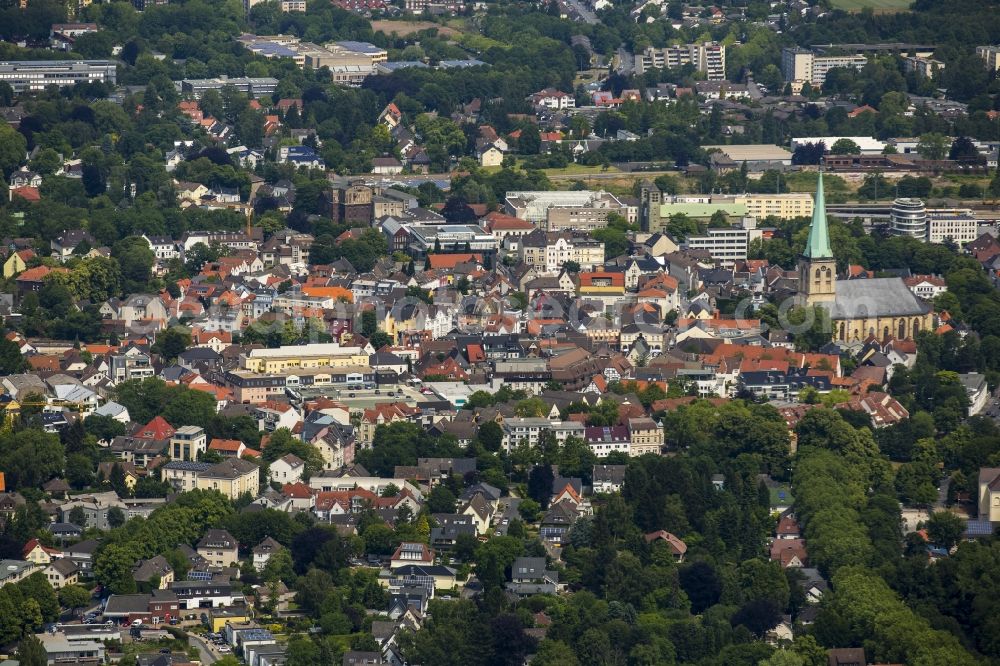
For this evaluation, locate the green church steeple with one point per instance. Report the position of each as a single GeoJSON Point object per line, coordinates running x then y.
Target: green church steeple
{"type": "Point", "coordinates": [818, 245]}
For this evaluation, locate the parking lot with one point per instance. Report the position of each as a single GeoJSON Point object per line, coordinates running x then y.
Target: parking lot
{"type": "Point", "coordinates": [366, 398]}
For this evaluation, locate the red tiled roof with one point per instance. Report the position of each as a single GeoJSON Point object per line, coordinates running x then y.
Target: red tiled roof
{"type": "Point", "coordinates": [232, 445]}
{"type": "Point", "coordinates": [296, 491]}
{"type": "Point", "coordinates": [452, 260]}
{"type": "Point", "coordinates": [26, 193]}
{"type": "Point", "coordinates": [587, 279]}
{"type": "Point", "coordinates": [158, 428]}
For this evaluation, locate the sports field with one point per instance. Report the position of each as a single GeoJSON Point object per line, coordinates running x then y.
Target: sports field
{"type": "Point", "coordinates": [876, 5]}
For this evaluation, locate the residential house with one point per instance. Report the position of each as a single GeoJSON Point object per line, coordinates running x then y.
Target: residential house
{"type": "Point", "coordinates": [674, 544]}
{"type": "Point", "coordinates": [232, 477]}
{"type": "Point", "coordinates": [556, 522]}
{"type": "Point", "coordinates": [187, 443]}
{"type": "Point", "coordinates": [989, 494]}
{"type": "Point", "coordinates": [529, 576]}
{"type": "Point", "coordinates": [411, 553]}
{"type": "Point", "coordinates": [608, 478]}
{"type": "Point", "coordinates": [263, 551]}
{"type": "Point", "coordinates": [37, 553]}
{"type": "Point", "coordinates": [61, 572]}
{"type": "Point", "coordinates": [155, 573]}
{"type": "Point", "coordinates": [219, 548]}
{"type": "Point", "coordinates": [602, 440]}
{"type": "Point", "coordinates": [646, 436]}
{"type": "Point", "coordinates": [65, 244]}
{"type": "Point", "coordinates": [287, 469]}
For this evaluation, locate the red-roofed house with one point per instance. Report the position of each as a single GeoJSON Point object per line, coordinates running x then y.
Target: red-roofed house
{"type": "Point", "coordinates": [601, 283]}
{"type": "Point", "coordinates": [926, 286]}
{"type": "Point", "coordinates": [789, 552]}
{"type": "Point", "coordinates": [227, 448]}
{"type": "Point", "coordinates": [156, 429]}
{"type": "Point", "coordinates": [551, 98]}
{"type": "Point", "coordinates": [677, 547]}
{"type": "Point", "coordinates": [38, 553]}
{"type": "Point", "coordinates": [449, 261]}
{"type": "Point", "coordinates": [32, 279]}
{"type": "Point", "coordinates": [27, 193]}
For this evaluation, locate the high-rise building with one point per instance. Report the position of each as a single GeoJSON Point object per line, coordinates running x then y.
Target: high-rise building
{"type": "Point", "coordinates": [908, 217]}
{"type": "Point", "coordinates": [990, 55]}
{"type": "Point", "coordinates": [797, 64]}
{"type": "Point", "coordinates": [801, 65]}
{"type": "Point", "coordinates": [927, 68]}
{"type": "Point", "coordinates": [709, 57]}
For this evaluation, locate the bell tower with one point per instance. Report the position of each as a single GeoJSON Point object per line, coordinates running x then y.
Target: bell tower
{"type": "Point", "coordinates": [817, 267]}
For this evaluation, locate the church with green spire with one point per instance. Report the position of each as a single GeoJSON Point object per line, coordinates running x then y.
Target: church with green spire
{"type": "Point", "coordinates": [817, 267]}
{"type": "Point", "coordinates": [858, 308]}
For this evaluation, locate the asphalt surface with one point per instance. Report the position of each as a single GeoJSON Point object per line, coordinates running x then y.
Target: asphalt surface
{"type": "Point", "coordinates": [942, 501]}
{"type": "Point", "coordinates": [583, 11]}
{"type": "Point", "coordinates": [205, 653]}
{"type": "Point", "coordinates": [508, 512]}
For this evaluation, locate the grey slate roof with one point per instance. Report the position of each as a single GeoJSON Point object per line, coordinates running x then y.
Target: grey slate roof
{"type": "Point", "coordinates": [875, 297]}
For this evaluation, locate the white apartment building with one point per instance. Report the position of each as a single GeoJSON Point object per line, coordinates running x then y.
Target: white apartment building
{"type": "Point", "coordinates": [990, 55]}
{"type": "Point", "coordinates": [799, 65]}
{"type": "Point", "coordinates": [959, 225]}
{"type": "Point", "coordinates": [784, 206]}
{"type": "Point", "coordinates": [727, 245]}
{"type": "Point", "coordinates": [530, 429]}
{"type": "Point", "coordinates": [927, 68]}
{"type": "Point", "coordinates": [548, 251]}
{"type": "Point", "coordinates": [709, 57]}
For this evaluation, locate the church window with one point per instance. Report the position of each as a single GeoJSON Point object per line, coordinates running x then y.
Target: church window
{"type": "Point", "coordinates": [902, 328]}
{"type": "Point", "coordinates": [885, 333]}
{"type": "Point", "coordinates": [843, 329]}
{"type": "Point", "coordinates": [916, 327]}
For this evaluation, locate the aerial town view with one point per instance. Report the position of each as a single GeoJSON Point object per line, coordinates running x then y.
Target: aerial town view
{"type": "Point", "coordinates": [500, 332]}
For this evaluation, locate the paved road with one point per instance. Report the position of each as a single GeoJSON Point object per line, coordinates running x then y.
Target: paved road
{"type": "Point", "coordinates": [205, 654]}
{"type": "Point", "coordinates": [583, 11]}
{"type": "Point", "coordinates": [942, 501]}
{"type": "Point", "coordinates": [508, 512]}
{"type": "Point", "coordinates": [626, 60]}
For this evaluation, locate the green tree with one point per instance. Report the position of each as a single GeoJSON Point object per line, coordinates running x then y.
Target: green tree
{"type": "Point", "coordinates": [116, 517]}
{"type": "Point", "coordinates": [945, 528]}
{"type": "Point", "coordinates": [171, 342]}
{"type": "Point", "coordinates": [845, 146]}
{"type": "Point", "coordinates": [31, 652]}
{"type": "Point", "coordinates": [554, 653]}
{"type": "Point", "coordinates": [490, 435]}
{"type": "Point", "coordinates": [12, 361]}
{"type": "Point", "coordinates": [136, 260]}
{"type": "Point", "coordinates": [74, 596]}
{"type": "Point", "coordinates": [933, 146]}
{"type": "Point", "coordinates": [12, 149]}
{"type": "Point", "coordinates": [282, 442]}
{"type": "Point", "coordinates": [441, 500]}
{"type": "Point", "coordinates": [530, 141]}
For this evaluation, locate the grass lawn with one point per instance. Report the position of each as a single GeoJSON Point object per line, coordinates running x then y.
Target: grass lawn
{"type": "Point", "coordinates": [574, 169]}
{"type": "Point", "coordinates": [403, 28]}
{"type": "Point", "coordinates": [877, 5]}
